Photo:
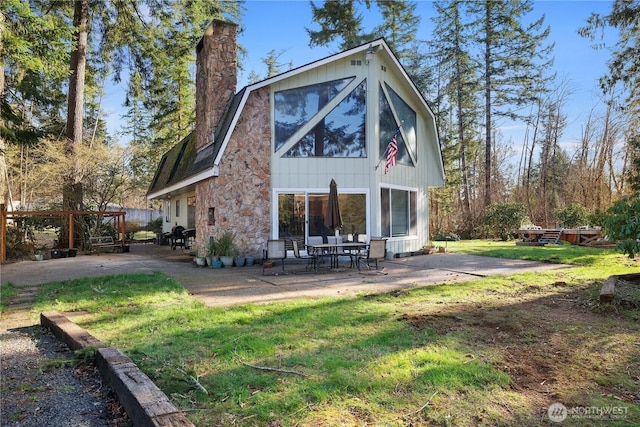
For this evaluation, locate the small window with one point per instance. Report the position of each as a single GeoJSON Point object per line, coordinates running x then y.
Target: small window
{"type": "Point", "coordinates": [177, 208]}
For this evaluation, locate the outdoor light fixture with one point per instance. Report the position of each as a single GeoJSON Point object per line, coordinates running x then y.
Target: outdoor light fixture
{"type": "Point", "coordinates": [368, 57]}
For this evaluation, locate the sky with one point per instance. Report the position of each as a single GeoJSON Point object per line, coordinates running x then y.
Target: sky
{"type": "Point", "coordinates": [280, 25]}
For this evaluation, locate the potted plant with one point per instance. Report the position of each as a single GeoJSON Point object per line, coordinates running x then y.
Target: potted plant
{"type": "Point", "coordinates": [212, 251]}
{"type": "Point", "coordinates": [241, 258]}
{"type": "Point", "coordinates": [226, 248]}
{"type": "Point", "coordinates": [249, 260]}
{"type": "Point", "coordinates": [200, 258]}
{"type": "Point", "coordinates": [39, 256]}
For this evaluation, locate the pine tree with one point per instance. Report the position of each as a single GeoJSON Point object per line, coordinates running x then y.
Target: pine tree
{"type": "Point", "coordinates": [513, 57]}
{"type": "Point", "coordinates": [338, 21]}
{"type": "Point", "coordinates": [450, 44]}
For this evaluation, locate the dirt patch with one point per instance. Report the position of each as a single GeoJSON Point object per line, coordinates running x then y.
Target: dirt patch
{"type": "Point", "coordinates": [554, 348]}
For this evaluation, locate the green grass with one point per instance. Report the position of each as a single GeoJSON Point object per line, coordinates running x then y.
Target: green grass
{"type": "Point", "coordinates": [432, 355]}
{"type": "Point", "coordinates": [7, 292]}
{"type": "Point", "coordinates": [557, 254]}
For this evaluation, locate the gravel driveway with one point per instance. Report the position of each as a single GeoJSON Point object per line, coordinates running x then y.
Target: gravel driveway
{"type": "Point", "coordinates": [42, 387]}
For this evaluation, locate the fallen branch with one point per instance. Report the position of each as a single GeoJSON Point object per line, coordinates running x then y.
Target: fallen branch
{"type": "Point", "coordinates": [267, 368]}
{"type": "Point", "coordinates": [195, 380]}
{"type": "Point", "coordinates": [423, 406]}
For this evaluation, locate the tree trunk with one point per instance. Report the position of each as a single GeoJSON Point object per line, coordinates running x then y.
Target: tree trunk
{"type": "Point", "coordinates": [487, 95]}
{"type": "Point", "coordinates": [72, 188]}
{"type": "Point", "coordinates": [4, 183]}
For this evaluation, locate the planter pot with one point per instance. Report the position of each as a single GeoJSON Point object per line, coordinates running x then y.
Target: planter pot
{"type": "Point", "coordinates": [240, 261]}
{"type": "Point", "coordinates": [227, 261]}
{"type": "Point", "coordinates": [250, 260]}
{"type": "Point", "coordinates": [73, 252]}
{"type": "Point", "coordinates": [200, 261]}
{"type": "Point", "coordinates": [39, 257]}
{"type": "Point", "coordinates": [56, 253]}
{"type": "Point", "coordinates": [208, 260]}
{"type": "Point", "coordinates": [216, 264]}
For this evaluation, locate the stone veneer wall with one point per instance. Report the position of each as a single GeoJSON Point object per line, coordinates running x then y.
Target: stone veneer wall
{"type": "Point", "coordinates": [216, 78]}
{"type": "Point", "coordinates": [241, 192]}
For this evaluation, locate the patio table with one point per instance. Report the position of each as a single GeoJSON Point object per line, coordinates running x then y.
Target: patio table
{"type": "Point", "coordinates": [332, 250]}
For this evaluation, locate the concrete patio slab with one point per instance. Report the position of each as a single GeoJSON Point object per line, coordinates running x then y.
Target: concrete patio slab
{"type": "Point", "coordinates": [239, 285]}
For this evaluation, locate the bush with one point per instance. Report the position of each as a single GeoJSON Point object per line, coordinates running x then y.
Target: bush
{"type": "Point", "coordinates": [155, 225]}
{"type": "Point", "coordinates": [501, 219]}
{"type": "Point", "coordinates": [623, 224]}
{"type": "Point", "coordinates": [572, 216]}
{"type": "Point", "coordinates": [446, 237]}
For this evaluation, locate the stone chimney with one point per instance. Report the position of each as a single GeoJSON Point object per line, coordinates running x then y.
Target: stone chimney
{"type": "Point", "coordinates": [216, 78]}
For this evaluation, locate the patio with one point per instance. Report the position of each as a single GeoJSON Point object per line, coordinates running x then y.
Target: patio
{"type": "Point", "coordinates": [241, 285]}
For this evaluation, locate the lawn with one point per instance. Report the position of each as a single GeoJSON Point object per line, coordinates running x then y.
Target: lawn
{"type": "Point", "coordinates": [493, 351]}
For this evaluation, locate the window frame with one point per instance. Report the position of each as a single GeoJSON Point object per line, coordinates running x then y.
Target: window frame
{"type": "Point", "coordinates": [387, 212]}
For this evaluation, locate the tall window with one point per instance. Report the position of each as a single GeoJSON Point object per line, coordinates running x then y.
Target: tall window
{"type": "Point", "coordinates": [399, 212]}
{"type": "Point", "coordinates": [167, 210]}
{"type": "Point", "coordinates": [178, 208]}
{"type": "Point", "coordinates": [339, 133]}
{"type": "Point", "coordinates": [406, 120]}
{"type": "Point", "coordinates": [191, 212]}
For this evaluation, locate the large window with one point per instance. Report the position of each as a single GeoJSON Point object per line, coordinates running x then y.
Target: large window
{"type": "Point", "coordinates": [406, 120]}
{"type": "Point", "coordinates": [399, 212]}
{"type": "Point", "coordinates": [295, 107]}
{"type": "Point", "coordinates": [339, 133]}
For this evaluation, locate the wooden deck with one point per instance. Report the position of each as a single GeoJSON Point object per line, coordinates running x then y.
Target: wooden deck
{"type": "Point", "coordinates": [575, 236]}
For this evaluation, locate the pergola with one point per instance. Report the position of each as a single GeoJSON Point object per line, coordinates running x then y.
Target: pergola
{"type": "Point", "coordinates": [4, 215]}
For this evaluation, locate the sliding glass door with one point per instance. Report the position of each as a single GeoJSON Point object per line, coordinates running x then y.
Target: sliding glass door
{"type": "Point", "coordinates": [303, 214]}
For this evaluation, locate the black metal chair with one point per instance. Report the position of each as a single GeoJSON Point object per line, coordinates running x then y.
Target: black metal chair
{"type": "Point", "coordinates": [311, 260]}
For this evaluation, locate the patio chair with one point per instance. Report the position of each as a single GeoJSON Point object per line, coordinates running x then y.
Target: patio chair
{"type": "Point", "coordinates": [276, 250]}
{"type": "Point", "coordinates": [376, 251]}
{"type": "Point", "coordinates": [311, 260]}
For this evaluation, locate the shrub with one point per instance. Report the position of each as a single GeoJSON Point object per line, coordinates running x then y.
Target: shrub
{"type": "Point", "coordinates": [501, 219]}
{"type": "Point", "coordinates": [623, 224]}
{"type": "Point", "coordinates": [572, 216]}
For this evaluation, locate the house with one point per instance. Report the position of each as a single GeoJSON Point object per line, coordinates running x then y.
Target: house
{"type": "Point", "coordinates": [260, 160]}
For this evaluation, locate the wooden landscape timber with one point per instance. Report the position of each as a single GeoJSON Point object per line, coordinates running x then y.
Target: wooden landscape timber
{"type": "Point", "coordinates": [608, 291]}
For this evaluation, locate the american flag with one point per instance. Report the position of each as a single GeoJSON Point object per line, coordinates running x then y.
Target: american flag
{"type": "Point", "coordinates": [392, 152]}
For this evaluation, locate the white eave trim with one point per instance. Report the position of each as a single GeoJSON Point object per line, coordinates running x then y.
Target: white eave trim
{"type": "Point", "coordinates": [208, 173]}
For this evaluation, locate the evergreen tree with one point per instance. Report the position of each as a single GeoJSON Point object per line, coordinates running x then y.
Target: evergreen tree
{"type": "Point", "coordinates": [513, 57]}
{"type": "Point", "coordinates": [33, 64]}
{"type": "Point", "coordinates": [338, 21]}
{"type": "Point", "coordinates": [450, 44]}
{"type": "Point", "coordinates": [398, 26]}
